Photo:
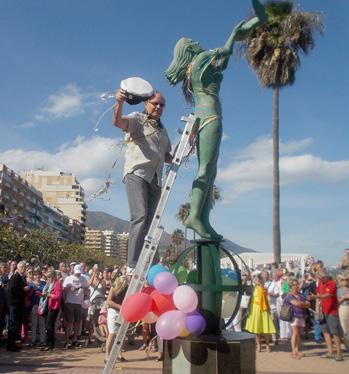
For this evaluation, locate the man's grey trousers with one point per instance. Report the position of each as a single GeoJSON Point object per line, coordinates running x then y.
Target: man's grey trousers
{"type": "Point", "coordinates": [143, 198]}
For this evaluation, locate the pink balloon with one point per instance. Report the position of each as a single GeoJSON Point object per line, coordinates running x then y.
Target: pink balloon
{"type": "Point", "coordinates": [165, 283]}
{"type": "Point", "coordinates": [150, 317]}
{"type": "Point", "coordinates": [185, 299]}
{"type": "Point", "coordinates": [170, 324]}
{"type": "Point", "coordinates": [136, 306]}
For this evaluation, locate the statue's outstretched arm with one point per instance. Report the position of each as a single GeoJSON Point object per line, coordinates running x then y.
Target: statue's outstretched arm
{"type": "Point", "coordinates": [244, 27]}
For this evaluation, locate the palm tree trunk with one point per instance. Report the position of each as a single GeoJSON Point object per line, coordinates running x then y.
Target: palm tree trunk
{"type": "Point", "coordinates": [276, 180]}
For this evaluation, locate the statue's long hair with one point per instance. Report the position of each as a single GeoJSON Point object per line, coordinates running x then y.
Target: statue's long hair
{"type": "Point", "coordinates": [184, 53]}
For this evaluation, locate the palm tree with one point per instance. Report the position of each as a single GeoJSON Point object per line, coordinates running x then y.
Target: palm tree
{"type": "Point", "coordinates": [184, 209]}
{"type": "Point", "coordinates": [183, 212]}
{"type": "Point", "coordinates": [181, 216]}
{"type": "Point", "coordinates": [272, 50]}
{"type": "Point", "coordinates": [177, 239]}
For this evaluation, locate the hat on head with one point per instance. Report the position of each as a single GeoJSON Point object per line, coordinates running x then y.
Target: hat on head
{"type": "Point", "coordinates": [77, 269]}
{"type": "Point", "coordinates": [73, 263]}
{"type": "Point", "coordinates": [136, 90]}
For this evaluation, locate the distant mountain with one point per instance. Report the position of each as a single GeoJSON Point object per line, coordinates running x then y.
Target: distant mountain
{"type": "Point", "coordinates": [104, 221]}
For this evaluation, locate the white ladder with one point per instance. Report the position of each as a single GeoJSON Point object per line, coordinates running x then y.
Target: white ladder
{"type": "Point", "coordinates": [152, 239]}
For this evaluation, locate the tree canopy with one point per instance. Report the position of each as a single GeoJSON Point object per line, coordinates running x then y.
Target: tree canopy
{"type": "Point", "coordinates": [273, 48]}
{"type": "Point", "coordinates": [47, 248]}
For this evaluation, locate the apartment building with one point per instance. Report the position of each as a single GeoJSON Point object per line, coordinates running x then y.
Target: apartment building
{"type": "Point", "coordinates": [21, 202]}
{"type": "Point", "coordinates": [94, 239]}
{"type": "Point", "coordinates": [111, 247]}
{"type": "Point", "coordinates": [61, 190]}
{"type": "Point", "coordinates": [103, 240]}
{"type": "Point", "coordinates": [22, 206]}
{"type": "Point", "coordinates": [122, 246]}
{"type": "Point", "coordinates": [68, 229]}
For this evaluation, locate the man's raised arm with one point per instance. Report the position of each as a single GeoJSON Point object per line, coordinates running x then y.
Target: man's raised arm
{"type": "Point", "coordinates": [118, 119]}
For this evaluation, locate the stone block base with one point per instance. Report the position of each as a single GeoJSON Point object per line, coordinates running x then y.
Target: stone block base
{"type": "Point", "coordinates": [228, 353]}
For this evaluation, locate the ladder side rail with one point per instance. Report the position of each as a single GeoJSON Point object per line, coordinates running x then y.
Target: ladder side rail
{"type": "Point", "coordinates": [150, 245]}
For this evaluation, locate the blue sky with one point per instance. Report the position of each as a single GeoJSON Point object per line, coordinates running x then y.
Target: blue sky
{"type": "Point", "coordinates": [57, 57]}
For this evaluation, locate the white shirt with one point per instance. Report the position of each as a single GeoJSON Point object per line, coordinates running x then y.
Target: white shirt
{"type": "Point", "coordinates": [74, 286]}
{"type": "Point", "coordinates": [274, 301]}
{"type": "Point", "coordinates": [64, 275]}
{"type": "Point", "coordinates": [146, 150]}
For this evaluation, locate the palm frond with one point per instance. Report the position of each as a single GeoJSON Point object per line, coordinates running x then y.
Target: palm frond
{"type": "Point", "coordinates": [272, 50]}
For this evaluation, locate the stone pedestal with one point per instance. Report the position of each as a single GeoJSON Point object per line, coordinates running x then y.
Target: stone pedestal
{"type": "Point", "coordinates": [227, 353]}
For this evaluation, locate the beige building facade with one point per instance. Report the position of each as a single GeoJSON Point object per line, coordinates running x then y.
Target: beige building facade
{"type": "Point", "coordinates": [61, 190]}
{"type": "Point", "coordinates": [94, 239]}
{"type": "Point", "coordinates": [103, 240]}
{"type": "Point", "coordinates": [111, 247]}
{"type": "Point", "coordinates": [123, 244]}
{"type": "Point", "coordinates": [22, 203]}
{"type": "Point", "coordinates": [24, 208]}
{"type": "Point", "coordinates": [109, 241]}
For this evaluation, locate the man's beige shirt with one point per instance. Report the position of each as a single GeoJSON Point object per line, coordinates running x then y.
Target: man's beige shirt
{"type": "Point", "coordinates": [146, 148]}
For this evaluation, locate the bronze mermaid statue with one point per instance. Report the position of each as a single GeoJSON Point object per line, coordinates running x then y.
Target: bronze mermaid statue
{"type": "Point", "coordinates": [201, 72]}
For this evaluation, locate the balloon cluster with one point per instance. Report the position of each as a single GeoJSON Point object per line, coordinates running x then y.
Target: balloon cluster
{"type": "Point", "coordinates": [171, 306]}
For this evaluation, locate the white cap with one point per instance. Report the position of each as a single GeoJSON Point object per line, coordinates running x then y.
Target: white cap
{"type": "Point", "coordinates": [136, 90]}
{"type": "Point", "coordinates": [77, 269]}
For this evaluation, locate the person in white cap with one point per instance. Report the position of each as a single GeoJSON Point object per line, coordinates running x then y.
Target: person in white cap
{"type": "Point", "coordinates": [75, 287]}
{"type": "Point", "coordinates": [147, 149]}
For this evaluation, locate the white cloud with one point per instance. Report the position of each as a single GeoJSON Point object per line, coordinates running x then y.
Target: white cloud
{"type": "Point", "coordinates": [262, 148]}
{"type": "Point", "coordinates": [91, 185]}
{"type": "Point", "coordinates": [252, 168]}
{"type": "Point", "coordinates": [87, 158]}
{"type": "Point", "coordinates": [25, 125]}
{"type": "Point", "coordinates": [66, 103]}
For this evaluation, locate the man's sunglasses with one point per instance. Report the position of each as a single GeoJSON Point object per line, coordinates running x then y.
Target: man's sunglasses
{"type": "Point", "coordinates": [161, 105]}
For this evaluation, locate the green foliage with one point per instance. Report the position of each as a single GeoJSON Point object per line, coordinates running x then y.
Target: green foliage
{"type": "Point", "coordinates": [183, 212]}
{"type": "Point", "coordinates": [177, 237]}
{"type": "Point", "coordinates": [273, 48]}
{"type": "Point", "coordinates": [278, 9]}
{"type": "Point", "coordinates": [184, 209]}
{"type": "Point", "coordinates": [49, 250]}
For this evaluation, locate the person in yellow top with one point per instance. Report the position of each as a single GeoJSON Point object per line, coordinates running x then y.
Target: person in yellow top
{"type": "Point", "coordinates": [259, 320]}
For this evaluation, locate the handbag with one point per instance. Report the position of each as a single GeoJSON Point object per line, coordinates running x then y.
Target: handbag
{"type": "Point", "coordinates": [42, 309]}
{"type": "Point", "coordinates": [286, 312]}
{"type": "Point", "coordinates": [245, 301]}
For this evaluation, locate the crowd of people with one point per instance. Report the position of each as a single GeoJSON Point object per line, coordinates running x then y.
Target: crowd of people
{"type": "Point", "coordinates": [81, 304]}
{"type": "Point", "coordinates": [289, 305]}
{"type": "Point", "coordinates": [36, 302]}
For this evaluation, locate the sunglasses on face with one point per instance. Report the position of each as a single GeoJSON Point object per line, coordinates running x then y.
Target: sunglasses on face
{"type": "Point", "coordinates": [161, 105]}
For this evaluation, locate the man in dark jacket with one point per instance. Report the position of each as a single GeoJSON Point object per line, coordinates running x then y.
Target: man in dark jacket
{"type": "Point", "coordinates": [15, 301]}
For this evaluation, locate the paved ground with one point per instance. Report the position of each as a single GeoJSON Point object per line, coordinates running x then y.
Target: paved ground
{"type": "Point", "coordinates": [90, 361]}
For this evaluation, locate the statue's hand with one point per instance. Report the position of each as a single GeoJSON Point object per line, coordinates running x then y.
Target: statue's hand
{"type": "Point", "coordinates": [241, 30]}
{"type": "Point", "coordinates": [239, 26]}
